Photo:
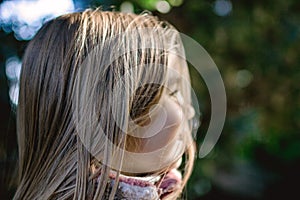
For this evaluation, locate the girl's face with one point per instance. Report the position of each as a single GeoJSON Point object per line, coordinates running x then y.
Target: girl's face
{"type": "Point", "coordinates": [167, 129]}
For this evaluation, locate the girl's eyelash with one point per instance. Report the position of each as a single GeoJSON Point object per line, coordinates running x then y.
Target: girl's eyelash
{"type": "Point", "coordinates": [173, 93]}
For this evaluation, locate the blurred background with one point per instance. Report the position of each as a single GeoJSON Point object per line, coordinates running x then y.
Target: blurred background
{"type": "Point", "coordinates": [255, 45]}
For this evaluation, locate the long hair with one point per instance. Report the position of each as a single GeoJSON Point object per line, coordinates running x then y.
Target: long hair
{"type": "Point", "coordinates": [84, 78]}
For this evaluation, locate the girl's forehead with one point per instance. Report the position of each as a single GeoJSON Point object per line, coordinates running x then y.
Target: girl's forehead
{"type": "Point", "coordinates": [174, 62]}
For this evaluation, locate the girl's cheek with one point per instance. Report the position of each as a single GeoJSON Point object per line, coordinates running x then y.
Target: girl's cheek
{"type": "Point", "coordinates": [172, 115]}
{"type": "Point", "coordinates": [190, 112]}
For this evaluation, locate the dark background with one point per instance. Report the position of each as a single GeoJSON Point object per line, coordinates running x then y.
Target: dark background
{"type": "Point", "coordinates": [256, 46]}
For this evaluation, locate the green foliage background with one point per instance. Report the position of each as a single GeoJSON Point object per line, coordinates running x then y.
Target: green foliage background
{"type": "Point", "coordinates": [258, 154]}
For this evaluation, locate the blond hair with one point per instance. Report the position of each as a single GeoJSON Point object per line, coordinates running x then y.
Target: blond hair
{"type": "Point", "coordinates": [68, 85]}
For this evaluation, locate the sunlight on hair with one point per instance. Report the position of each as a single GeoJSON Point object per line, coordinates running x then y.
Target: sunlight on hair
{"type": "Point", "coordinates": [25, 17]}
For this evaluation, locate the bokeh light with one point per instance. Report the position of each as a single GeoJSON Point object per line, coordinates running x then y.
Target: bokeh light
{"type": "Point", "coordinates": [25, 18]}
{"type": "Point", "coordinates": [243, 78]}
{"type": "Point", "coordinates": [175, 2]}
{"type": "Point", "coordinates": [13, 68]}
{"type": "Point", "coordinates": [13, 71]}
{"type": "Point", "coordinates": [127, 7]}
{"type": "Point", "coordinates": [163, 7]}
{"type": "Point", "coordinates": [222, 7]}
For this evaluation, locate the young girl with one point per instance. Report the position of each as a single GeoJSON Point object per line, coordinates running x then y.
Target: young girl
{"type": "Point", "coordinates": [104, 110]}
